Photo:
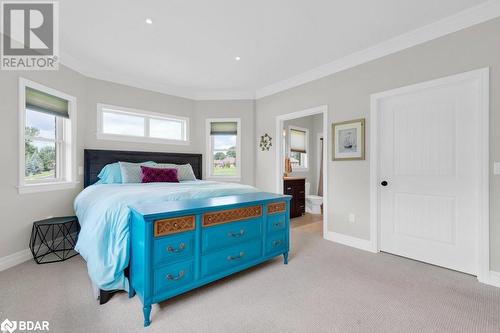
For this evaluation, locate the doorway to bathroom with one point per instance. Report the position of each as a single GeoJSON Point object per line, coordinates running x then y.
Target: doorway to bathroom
{"type": "Point", "coordinates": [302, 156]}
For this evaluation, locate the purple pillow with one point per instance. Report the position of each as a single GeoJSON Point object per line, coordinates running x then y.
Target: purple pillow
{"type": "Point", "coordinates": [158, 175]}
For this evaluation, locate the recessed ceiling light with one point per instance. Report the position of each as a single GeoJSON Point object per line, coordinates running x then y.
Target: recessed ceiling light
{"type": "Point", "coordinates": [237, 58]}
{"type": "Point", "coordinates": [149, 21]}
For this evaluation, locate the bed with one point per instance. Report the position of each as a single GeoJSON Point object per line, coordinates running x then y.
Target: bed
{"type": "Point", "coordinates": [104, 211]}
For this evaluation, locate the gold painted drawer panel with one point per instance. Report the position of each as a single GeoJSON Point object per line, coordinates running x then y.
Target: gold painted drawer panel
{"type": "Point", "coordinates": [276, 207]}
{"type": "Point", "coordinates": [174, 225]}
{"type": "Point", "coordinates": [231, 215]}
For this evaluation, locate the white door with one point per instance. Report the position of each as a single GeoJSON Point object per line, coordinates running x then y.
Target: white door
{"type": "Point", "coordinates": [429, 155]}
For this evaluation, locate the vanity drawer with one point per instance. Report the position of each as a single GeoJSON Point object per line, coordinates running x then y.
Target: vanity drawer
{"type": "Point", "coordinates": [229, 234]}
{"type": "Point", "coordinates": [276, 242]}
{"type": "Point", "coordinates": [276, 222]}
{"type": "Point", "coordinates": [230, 258]}
{"type": "Point", "coordinates": [174, 248]}
{"type": "Point", "coordinates": [173, 276]}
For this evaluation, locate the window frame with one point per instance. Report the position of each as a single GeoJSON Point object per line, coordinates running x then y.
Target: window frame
{"type": "Point", "coordinates": [147, 115]}
{"type": "Point", "coordinates": [65, 142]}
{"type": "Point", "coordinates": [289, 150]}
{"type": "Point", "coordinates": [209, 149]}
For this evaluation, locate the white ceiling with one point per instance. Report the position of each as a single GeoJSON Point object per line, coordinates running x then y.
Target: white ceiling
{"type": "Point", "coordinates": [189, 49]}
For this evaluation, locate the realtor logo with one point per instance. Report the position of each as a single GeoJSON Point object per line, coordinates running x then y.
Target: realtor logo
{"type": "Point", "coordinates": [30, 35]}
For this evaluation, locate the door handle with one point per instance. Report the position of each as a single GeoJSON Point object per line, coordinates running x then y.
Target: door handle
{"type": "Point", "coordinates": [384, 183]}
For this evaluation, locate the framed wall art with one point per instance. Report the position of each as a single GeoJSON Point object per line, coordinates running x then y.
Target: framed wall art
{"type": "Point", "coordinates": [349, 140]}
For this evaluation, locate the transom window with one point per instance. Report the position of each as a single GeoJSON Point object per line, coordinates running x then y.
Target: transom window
{"type": "Point", "coordinates": [299, 140]}
{"type": "Point", "coordinates": [223, 148]}
{"type": "Point", "coordinates": [125, 124]}
{"type": "Point", "coordinates": [48, 142]}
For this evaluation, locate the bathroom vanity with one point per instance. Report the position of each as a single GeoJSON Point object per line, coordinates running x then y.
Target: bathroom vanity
{"type": "Point", "coordinates": [296, 187]}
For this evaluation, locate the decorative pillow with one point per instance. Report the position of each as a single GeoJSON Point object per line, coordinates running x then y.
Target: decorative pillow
{"type": "Point", "coordinates": [158, 175]}
{"type": "Point", "coordinates": [184, 171]}
{"type": "Point", "coordinates": [131, 172]}
{"type": "Point", "coordinates": [110, 174]}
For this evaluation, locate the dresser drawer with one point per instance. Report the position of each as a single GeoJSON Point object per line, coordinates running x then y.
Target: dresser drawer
{"type": "Point", "coordinates": [174, 248]}
{"type": "Point", "coordinates": [231, 257]}
{"type": "Point", "coordinates": [174, 276]}
{"type": "Point", "coordinates": [276, 222]}
{"type": "Point", "coordinates": [173, 225]}
{"type": "Point", "coordinates": [276, 242]}
{"type": "Point", "coordinates": [229, 234]}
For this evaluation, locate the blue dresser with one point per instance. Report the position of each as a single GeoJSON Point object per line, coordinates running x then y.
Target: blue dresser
{"type": "Point", "coordinates": [181, 245]}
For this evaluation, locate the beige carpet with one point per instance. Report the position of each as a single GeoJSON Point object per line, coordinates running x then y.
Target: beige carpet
{"type": "Point", "coordinates": [325, 288]}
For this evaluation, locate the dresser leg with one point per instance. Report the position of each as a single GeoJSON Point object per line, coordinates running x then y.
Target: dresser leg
{"type": "Point", "coordinates": [131, 292]}
{"type": "Point", "coordinates": [147, 312]}
{"type": "Point", "coordinates": [285, 258]}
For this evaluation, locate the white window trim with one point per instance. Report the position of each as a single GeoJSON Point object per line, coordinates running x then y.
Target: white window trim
{"type": "Point", "coordinates": [289, 138]}
{"type": "Point", "coordinates": [139, 139]}
{"type": "Point", "coordinates": [208, 139]}
{"type": "Point", "coordinates": [67, 163]}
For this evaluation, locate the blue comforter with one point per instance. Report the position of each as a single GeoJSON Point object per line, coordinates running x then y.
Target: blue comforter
{"type": "Point", "coordinates": [103, 213]}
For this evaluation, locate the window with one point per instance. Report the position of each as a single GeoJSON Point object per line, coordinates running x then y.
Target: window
{"type": "Point", "coordinates": [299, 140]}
{"type": "Point", "coordinates": [124, 124]}
{"type": "Point", "coordinates": [47, 146]}
{"type": "Point", "coordinates": [223, 148]}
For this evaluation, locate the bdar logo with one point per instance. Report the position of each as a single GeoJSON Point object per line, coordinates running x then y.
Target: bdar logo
{"type": "Point", "coordinates": [8, 326]}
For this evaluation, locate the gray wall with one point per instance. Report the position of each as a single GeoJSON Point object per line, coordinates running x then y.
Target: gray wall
{"type": "Point", "coordinates": [347, 95]}
{"type": "Point", "coordinates": [18, 210]}
{"type": "Point", "coordinates": [21, 210]}
{"type": "Point", "coordinates": [243, 109]}
{"type": "Point", "coordinates": [98, 91]}
{"type": "Point", "coordinates": [314, 124]}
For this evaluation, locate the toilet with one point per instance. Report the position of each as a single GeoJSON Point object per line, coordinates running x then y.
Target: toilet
{"type": "Point", "coordinates": [313, 202]}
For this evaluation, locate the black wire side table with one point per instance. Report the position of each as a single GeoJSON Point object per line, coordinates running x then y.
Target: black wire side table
{"type": "Point", "coordinates": [54, 239]}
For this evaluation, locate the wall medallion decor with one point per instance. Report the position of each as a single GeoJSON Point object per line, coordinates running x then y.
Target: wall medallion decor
{"type": "Point", "coordinates": [265, 142]}
{"type": "Point", "coordinates": [349, 140]}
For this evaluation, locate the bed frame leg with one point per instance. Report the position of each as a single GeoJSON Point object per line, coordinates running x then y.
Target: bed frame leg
{"type": "Point", "coordinates": [105, 296]}
{"type": "Point", "coordinates": [285, 258]}
{"type": "Point", "coordinates": [147, 312]}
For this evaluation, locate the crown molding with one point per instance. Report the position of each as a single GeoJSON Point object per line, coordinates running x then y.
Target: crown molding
{"type": "Point", "coordinates": [462, 20]}
{"type": "Point", "coordinates": [91, 72]}
{"type": "Point", "coordinates": [465, 19]}
{"type": "Point", "coordinates": [224, 95]}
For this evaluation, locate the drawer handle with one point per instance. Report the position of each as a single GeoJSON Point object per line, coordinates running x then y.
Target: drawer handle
{"type": "Point", "coordinates": [181, 248]}
{"type": "Point", "coordinates": [277, 242]}
{"type": "Point", "coordinates": [278, 224]}
{"type": "Point", "coordinates": [288, 188]}
{"type": "Point", "coordinates": [236, 234]}
{"type": "Point", "coordinates": [175, 278]}
{"type": "Point", "coordinates": [231, 258]}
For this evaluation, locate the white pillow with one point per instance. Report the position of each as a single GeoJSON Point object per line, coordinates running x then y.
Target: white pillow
{"type": "Point", "coordinates": [184, 171]}
{"type": "Point", "coordinates": [131, 172]}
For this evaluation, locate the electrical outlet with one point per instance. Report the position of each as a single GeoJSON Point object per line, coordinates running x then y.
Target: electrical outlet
{"type": "Point", "coordinates": [352, 218]}
{"type": "Point", "coordinates": [496, 168]}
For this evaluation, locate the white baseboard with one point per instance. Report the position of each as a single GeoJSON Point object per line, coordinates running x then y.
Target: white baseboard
{"type": "Point", "coordinates": [359, 243]}
{"type": "Point", "coordinates": [493, 279]}
{"type": "Point", "coordinates": [14, 259]}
